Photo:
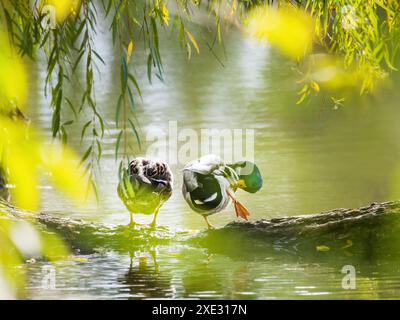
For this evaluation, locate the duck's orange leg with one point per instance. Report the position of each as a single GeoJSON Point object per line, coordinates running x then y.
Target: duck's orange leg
{"type": "Point", "coordinates": [209, 225]}
{"type": "Point", "coordinates": [132, 222]}
{"type": "Point", "coordinates": [241, 210]}
{"type": "Point", "coordinates": [154, 222]}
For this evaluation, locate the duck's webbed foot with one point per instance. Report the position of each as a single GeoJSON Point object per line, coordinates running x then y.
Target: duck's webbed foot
{"type": "Point", "coordinates": [240, 209]}
{"type": "Point", "coordinates": [153, 223]}
{"type": "Point", "coordinates": [209, 225]}
{"type": "Point", "coordinates": [132, 222]}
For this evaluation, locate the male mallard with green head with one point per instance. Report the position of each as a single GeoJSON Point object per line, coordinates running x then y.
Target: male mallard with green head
{"type": "Point", "coordinates": [145, 186]}
{"type": "Point", "coordinates": [209, 184]}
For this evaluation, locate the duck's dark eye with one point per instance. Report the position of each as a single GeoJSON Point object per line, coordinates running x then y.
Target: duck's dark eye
{"type": "Point", "coordinates": [150, 172]}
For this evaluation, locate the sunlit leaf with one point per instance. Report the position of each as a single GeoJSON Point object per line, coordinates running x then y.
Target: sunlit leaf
{"type": "Point", "coordinates": [165, 14]}
{"type": "Point", "coordinates": [23, 155]}
{"type": "Point", "coordinates": [129, 51]}
{"type": "Point", "coordinates": [322, 248]}
{"type": "Point", "coordinates": [288, 29]}
{"type": "Point", "coordinates": [80, 259]}
{"type": "Point", "coordinates": [63, 8]}
{"type": "Point", "coordinates": [21, 168]}
{"type": "Point", "coordinates": [54, 249]}
{"type": "Point", "coordinates": [348, 244]}
{"type": "Point", "coordinates": [193, 41]}
{"type": "Point", "coordinates": [62, 164]}
{"type": "Point", "coordinates": [10, 258]}
{"type": "Point", "coordinates": [13, 78]}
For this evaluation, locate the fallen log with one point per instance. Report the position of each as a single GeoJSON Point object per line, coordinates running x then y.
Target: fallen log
{"type": "Point", "coordinates": [87, 237]}
{"type": "Point", "coordinates": [364, 229]}
{"type": "Point", "coordinates": [369, 233]}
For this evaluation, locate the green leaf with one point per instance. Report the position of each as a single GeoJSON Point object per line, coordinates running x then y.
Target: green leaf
{"type": "Point", "coordinates": [149, 66]}
{"type": "Point", "coordinates": [124, 75]}
{"type": "Point", "coordinates": [135, 133]}
{"type": "Point", "coordinates": [71, 106]}
{"type": "Point", "coordinates": [132, 102]}
{"type": "Point", "coordinates": [57, 115]}
{"type": "Point", "coordinates": [86, 155]}
{"type": "Point", "coordinates": [77, 61]}
{"type": "Point", "coordinates": [193, 41]}
{"type": "Point", "coordinates": [118, 110]}
{"type": "Point", "coordinates": [133, 79]}
{"type": "Point", "coordinates": [99, 150]}
{"type": "Point", "coordinates": [118, 143]}
{"type": "Point", "coordinates": [87, 124]}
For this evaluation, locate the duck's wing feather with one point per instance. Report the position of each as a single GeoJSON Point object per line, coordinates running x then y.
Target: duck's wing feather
{"type": "Point", "coordinates": [190, 180]}
{"type": "Point", "coordinates": [145, 184]}
{"type": "Point", "coordinates": [205, 194]}
{"type": "Point", "coordinates": [161, 178]}
{"type": "Point", "coordinates": [205, 165]}
{"type": "Point", "coordinates": [204, 184]}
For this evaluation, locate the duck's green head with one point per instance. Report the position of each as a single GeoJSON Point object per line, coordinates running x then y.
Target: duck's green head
{"type": "Point", "coordinates": [250, 179]}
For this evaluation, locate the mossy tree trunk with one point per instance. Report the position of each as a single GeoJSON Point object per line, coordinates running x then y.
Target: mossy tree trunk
{"type": "Point", "coordinates": [363, 228]}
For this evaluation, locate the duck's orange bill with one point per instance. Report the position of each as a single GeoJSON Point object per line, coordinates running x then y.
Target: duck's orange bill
{"type": "Point", "coordinates": [241, 210]}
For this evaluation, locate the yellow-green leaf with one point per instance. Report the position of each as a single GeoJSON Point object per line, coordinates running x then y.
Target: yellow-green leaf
{"type": "Point", "coordinates": [193, 41]}
{"type": "Point", "coordinates": [165, 14]}
{"type": "Point", "coordinates": [348, 244]}
{"type": "Point", "coordinates": [288, 29]}
{"type": "Point", "coordinates": [61, 163]}
{"type": "Point", "coordinates": [322, 248]}
{"type": "Point", "coordinates": [130, 50]}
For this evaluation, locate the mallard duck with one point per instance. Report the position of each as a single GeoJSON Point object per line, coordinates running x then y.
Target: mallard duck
{"type": "Point", "coordinates": [145, 186]}
{"type": "Point", "coordinates": [209, 184]}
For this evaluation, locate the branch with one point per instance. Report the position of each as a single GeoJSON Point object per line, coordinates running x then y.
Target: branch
{"type": "Point", "coordinates": [335, 230]}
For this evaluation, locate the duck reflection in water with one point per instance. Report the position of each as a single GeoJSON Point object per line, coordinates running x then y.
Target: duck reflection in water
{"type": "Point", "coordinates": [144, 279]}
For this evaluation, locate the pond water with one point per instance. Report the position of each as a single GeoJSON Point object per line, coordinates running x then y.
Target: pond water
{"type": "Point", "coordinates": [312, 157]}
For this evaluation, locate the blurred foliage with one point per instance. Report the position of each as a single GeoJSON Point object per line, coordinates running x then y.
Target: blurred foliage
{"type": "Point", "coordinates": [13, 82]}
{"type": "Point", "coordinates": [22, 156]}
{"type": "Point", "coordinates": [335, 45]}
{"type": "Point", "coordinates": [355, 42]}
{"type": "Point", "coordinates": [63, 32]}
{"type": "Point", "coordinates": [63, 8]}
{"type": "Point", "coordinates": [69, 47]}
{"type": "Point", "coordinates": [289, 30]}
{"type": "Point", "coordinates": [22, 241]}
